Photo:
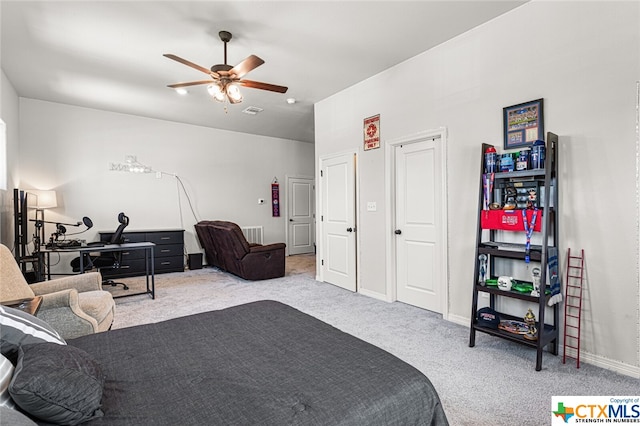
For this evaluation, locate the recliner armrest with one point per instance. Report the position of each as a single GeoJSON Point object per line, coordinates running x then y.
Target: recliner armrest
{"type": "Point", "coordinates": [268, 247]}
{"type": "Point", "coordinates": [90, 281]}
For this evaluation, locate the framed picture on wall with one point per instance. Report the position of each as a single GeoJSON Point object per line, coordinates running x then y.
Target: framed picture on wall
{"type": "Point", "coordinates": [523, 124]}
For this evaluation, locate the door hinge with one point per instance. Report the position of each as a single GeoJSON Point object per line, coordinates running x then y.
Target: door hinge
{"type": "Point", "coordinates": [321, 218]}
{"type": "Point", "coordinates": [320, 173]}
{"type": "Point", "coordinates": [322, 262]}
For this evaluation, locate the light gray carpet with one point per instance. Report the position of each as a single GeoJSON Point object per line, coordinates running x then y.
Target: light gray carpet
{"type": "Point", "coordinates": [494, 383]}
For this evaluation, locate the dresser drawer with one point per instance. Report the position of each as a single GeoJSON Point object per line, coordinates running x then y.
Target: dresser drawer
{"type": "Point", "coordinates": [168, 250]}
{"type": "Point", "coordinates": [175, 263]}
{"type": "Point", "coordinates": [127, 255]}
{"type": "Point", "coordinates": [134, 237]}
{"type": "Point", "coordinates": [162, 238]}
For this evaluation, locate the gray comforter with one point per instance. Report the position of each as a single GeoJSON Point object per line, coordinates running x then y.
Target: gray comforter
{"type": "Point", "coordinates": [263, 363]}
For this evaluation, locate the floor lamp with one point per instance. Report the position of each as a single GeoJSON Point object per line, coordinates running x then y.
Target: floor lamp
{"type": "Point", "coordinates": [44, 200]}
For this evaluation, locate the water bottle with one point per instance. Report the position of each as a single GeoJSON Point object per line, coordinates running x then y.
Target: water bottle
{"type": "Point", "coordinates": [490, 160]}
{"type": "Point", "coordinates": [538, 154]}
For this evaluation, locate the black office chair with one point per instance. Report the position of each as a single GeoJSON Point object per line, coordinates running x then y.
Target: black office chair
{"type": "Point", "coordinates": [110, 260]}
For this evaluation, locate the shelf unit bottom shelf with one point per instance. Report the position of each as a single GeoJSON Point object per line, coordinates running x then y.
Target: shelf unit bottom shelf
{"type": "Point", "coordinates": [548, 334]}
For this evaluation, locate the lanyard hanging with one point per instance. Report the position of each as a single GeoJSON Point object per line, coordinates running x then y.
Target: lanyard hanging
{"type": "Point", "coordinates": [528, 229]}
{"type": "Point", "coordinates": [487, 184]}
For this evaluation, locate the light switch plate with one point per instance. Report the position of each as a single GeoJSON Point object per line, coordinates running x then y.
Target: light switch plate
{"type": "Point", "coordinates": [371, 206]}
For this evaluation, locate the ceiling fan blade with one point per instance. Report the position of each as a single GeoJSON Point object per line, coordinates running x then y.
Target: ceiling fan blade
{"type": "Point", "coordinates": [189, 83]}
{"type": "Point", "coordinates": [250, 63]}
{"type": "Point", "coordinates": [263, 86]}
{"type": "Point", "coordinates": [187, 63]}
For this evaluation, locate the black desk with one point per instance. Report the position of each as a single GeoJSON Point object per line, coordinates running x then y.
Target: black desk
{"type": "Point", "coordinates": [146, 246]}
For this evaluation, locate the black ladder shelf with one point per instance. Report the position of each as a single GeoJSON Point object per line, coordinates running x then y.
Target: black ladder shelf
{"type": "Point", "coordinates": [490, 245]}
{"type": "Point", "coordinates": [573, 305]}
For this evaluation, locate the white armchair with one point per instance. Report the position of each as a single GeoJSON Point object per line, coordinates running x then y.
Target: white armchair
{"type": "Point", "coordinates": [74, 306]}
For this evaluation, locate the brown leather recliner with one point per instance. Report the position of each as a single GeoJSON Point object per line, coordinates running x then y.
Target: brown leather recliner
{"type": "Point", "coordinates": [226, 248]}
{"type": "Point", "coordinates": [205, 236]}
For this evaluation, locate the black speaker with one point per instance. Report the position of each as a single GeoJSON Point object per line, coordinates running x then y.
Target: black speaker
{"type": "Point", "coordinates": [194, 261]}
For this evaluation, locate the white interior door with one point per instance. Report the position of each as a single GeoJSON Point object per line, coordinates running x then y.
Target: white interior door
{"type": "Point", "coordinates": [300, 211]}
{"type": "Point", "coordinates": [338, 254]}
{"type": "Point", "coordinates": [418, 194]}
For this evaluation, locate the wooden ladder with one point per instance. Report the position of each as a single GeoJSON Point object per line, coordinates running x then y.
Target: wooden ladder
{"type": "Point", "coordinates": [573, 305]}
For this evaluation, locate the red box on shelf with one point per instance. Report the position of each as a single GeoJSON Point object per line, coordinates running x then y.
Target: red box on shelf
{"type": "Point", "coordinates": [509, 220]}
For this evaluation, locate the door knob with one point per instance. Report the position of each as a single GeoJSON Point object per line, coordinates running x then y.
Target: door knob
{"type": "Point", "coordinates": [290, 220]}
{"type": "Point", "coordinates": [398, 232]}
{"type": "Point", "coordinates": [349, 229]}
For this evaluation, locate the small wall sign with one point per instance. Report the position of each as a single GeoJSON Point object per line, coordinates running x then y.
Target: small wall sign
{"type": "Point", "coordinates": [372, 132]}
{"type": "Point", "coordinates": [275, 198]}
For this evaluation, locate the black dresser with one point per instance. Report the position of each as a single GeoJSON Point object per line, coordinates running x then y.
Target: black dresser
{"type": "Point", "coordinates": [168, 254]}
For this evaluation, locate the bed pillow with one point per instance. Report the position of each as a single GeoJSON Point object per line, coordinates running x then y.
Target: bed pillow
{"type": "Point", "coordinates": [6, 373]}
{"type": "Point", "coordinates": [20, 328]}
{"type": "Point", "coordinates": [58, 384]}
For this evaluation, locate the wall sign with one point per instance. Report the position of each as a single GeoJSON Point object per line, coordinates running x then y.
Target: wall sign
{"type": "Point", "coordinates": [275, 198]}
{"type": "Point", "coordinates": [372, 132]}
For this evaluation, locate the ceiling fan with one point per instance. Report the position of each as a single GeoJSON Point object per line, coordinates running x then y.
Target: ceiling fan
{"type": "Point", "coordinates": [225, 78]}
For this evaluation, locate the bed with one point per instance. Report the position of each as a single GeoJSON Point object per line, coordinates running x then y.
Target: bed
{"type": "Point", "coordinates": [261, 363]}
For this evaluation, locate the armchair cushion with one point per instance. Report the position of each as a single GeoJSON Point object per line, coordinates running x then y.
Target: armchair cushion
{"type": "Point", "coordinates": [58, 384]}
{"type": "Point", "coordinates": [18, 328]}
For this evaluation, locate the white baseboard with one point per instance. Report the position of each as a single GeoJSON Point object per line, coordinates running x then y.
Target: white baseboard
{"type": "Point", "coordinates": [373, 294]}
{"type": "Point", "coordinates": [458, 319]}
{"type": "Point", "coordinates": [602, 362]}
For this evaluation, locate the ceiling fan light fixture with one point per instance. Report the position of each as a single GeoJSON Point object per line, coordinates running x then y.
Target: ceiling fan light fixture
{"type": "Point", "coordinates": [181, 91]}
{"type": "Point", "coordinates": [227, 79]}
{"type": "Point", "coordinates": [234, 94]}
{"type": "Point", "coordinates": [216, 92]}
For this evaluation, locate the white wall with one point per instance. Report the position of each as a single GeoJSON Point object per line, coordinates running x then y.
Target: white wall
{"type": "Point", "coordinates": [584, 60]}
{"type": "Point", "coordinates": [9, 106]}
{"type": "Point", "coordinates": [69, 149]}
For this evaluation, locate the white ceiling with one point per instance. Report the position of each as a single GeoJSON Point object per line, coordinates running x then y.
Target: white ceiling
{"type": "Point", "coordinates": [108, 55]}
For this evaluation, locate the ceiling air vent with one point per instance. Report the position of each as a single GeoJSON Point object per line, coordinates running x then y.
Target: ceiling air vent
{"type": "Point", "coordinates": [252, 110]}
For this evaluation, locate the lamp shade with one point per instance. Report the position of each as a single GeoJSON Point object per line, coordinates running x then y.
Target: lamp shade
{"type": "Point", "coordinates": [45, 199]}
